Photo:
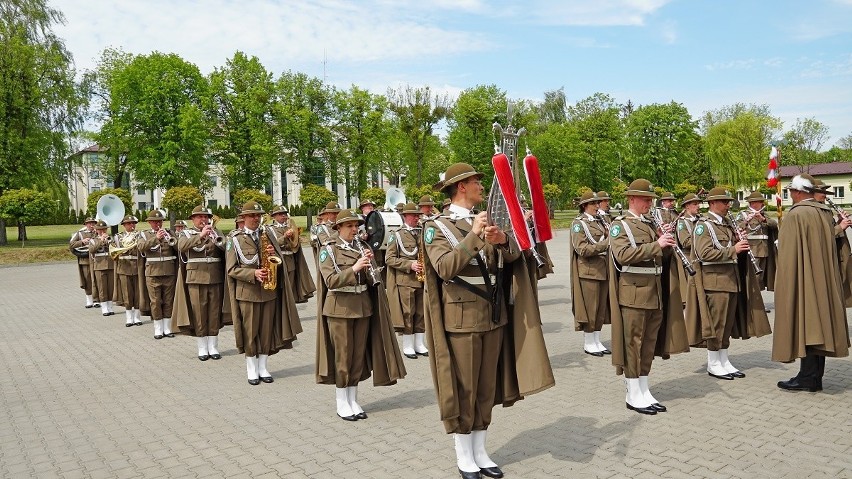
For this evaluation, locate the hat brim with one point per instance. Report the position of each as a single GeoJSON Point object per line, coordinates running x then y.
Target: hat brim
{"type": "Point", "coordinates": [456, 179]}
{"type": "Point", "coordinates": [250, 212]}
{"type": "Point", "coordinates": [720, 198]}
{"type": "Point", "coordinates": [590, 200]}
{"type": "Point", "coordinates": [647, 194]}
{"type": "Point", "coordinates": [755, 200]}
{"type": "Point", "coordinates": [154, 218]}
{"type": "Point", "coordinates": [337, 225]}
{"type": "Point", "coordinates": [694, 200]}
{"type": "Point", "coordinates": [201, 214]}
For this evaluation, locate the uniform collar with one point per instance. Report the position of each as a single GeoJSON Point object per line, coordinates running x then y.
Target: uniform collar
{"type": "Point", "coordinates": [459, 212]}
{"type": "Point", "coordinates": [714, 217]}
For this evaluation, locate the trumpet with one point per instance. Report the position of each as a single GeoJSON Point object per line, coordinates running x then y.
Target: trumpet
{"type": "Point", "coordinates": [687, 264]}
{"type": "Point", "coordinates": [373, 270]}
{"type": "Point", "coordinates": [742, 237]}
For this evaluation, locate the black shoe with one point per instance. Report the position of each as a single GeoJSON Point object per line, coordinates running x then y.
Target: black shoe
{"type": "Point", "coordinates": [361, 415]}
{"type": "Point", "coordinates": [127, 325]}
{"type": "Point", "coordinates": [267, 379]}
{"type": "Point", "coordinates": [470, 475]}
{"type": "Point", "coordinates": [721, 376]}
{"type": "Point", "coordinates": [658, 407]}
{"type": "Point", "coordinates": [96, 305]}
{"type": "Point", "coordinates": [606, 351]}
{"type": "Point", "coordinates": [346, 418]}
{"type": "Point", "coordinates": [90, 306]}
{"type": "Point", "coordinates": [137, 324]}
{"type": "Point", "coordinates": [171, 335]}
{"type": "Point", "coordinates": [111, 313]}
{"type": "Point", "coordinates": [217, 357]}
{"type": "Point", "coordinates": [642, 410]}
{"type": "Point", "coordinates": [158, 336]}
{"type": "Point", "coordinates": [766, 310]}
{"type": "Point", "coordinates": [737, 374]}
{"type": "Point", "coordinates": [597, 354]}
{"type": "Point", "coordinates": [795, 384]}
{"type": "Point", "coordinates": [105, 314]}
{"type": "Point", "coordinates": [410, 356]}
{"type": "Point", "coordinates": [491, 471]}
{"type": "Point", "coordinates": [423, 354]}
{"type": "Point", "coordinates": [203, 358]}
{"type": "Point", "coordinates": [254, 382]}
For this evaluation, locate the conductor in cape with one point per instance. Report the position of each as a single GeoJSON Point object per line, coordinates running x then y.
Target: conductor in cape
{"type": "Point", "coordinates": [483, 351]}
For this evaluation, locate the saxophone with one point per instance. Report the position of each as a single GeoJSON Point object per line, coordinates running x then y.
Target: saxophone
{"type": "Point", "coordinates": [268, 262]}
{"type": "Point", "coordinates": [421, 275]}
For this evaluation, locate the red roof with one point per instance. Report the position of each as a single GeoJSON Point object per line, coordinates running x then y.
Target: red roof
{"type": "Point", "coordinates": [822, 169]}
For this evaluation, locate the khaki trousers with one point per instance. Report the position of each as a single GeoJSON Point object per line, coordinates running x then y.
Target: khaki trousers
{"type": "Point", "coordinates": [595, 294]}
{"type": "Point", "coordinates": [129, 287]}
{"type": "Point", "coordinates": [258, 320]}
{"type": "Point", "coordinates": [412, 309]}
{"type": "Point", "coordinates": [723, 310]}
{"type": "Point", "coordinates": [104, 284]}
{"type": "Point", "coordinates": [206, 303]}
{"type": "Point", "coordinates": [161, 292]}
{"type": "Point", "coordinates": [349, 340]}
{"type": "Point", "coordinates": [85, 277]}
{"type": "Point", "coordinates": [474, 357]}
{"type": "Point", "coordinates": [640, 337]}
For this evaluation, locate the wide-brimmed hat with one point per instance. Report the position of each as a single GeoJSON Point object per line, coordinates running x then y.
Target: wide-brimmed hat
{"type": "Point", "coordinates": [366, 202]}
{"type": "Point", "coordinates": [755, 196]}
{"type": "Point", "coordinates": [640, 187]}
{"type": "Point", "coordinates": [821, 187]}
{"type": "Point", "coordinates": [180, 223]}
{"type": "Point", "coordinates": [603, 195]}
{"type": "Point", "coordinates": [101, 225]}
{"type": "Point", "coordinates": [155, 215]}
{"type": "Point", "coordinates": [588, 197]}
{"type": "Point", "coordinates": [252, 208]}
{"type": "Point", "coordinates": [200, 210]}
{"type": "Point", "coordinates": [240, 218]}
{"type": "Point", "coordinates": [690, 198]}
{"type": "Point", "coordinates": [280, 209]}
{"type": "Point", "coordinates": [455, 173]}
{"type": "Point", "coordinates": [346, 216]}
{"type": "Point", "coordinates": [668, 195]}
{"type": "Point", "coordinates": [130, 219]}
{"type": "Point", "coordinates": [803, 182]}
{"type": "Point", "coordinates": [330, 207]}
{"type": "Point", "coordinates": [410, 209]}
{"type": "Point", "coordinates": [719, 194]}
{"type": "Point", "coordinates": [426, 200]}
{"type": "Point", "coordinates": [446, 203]}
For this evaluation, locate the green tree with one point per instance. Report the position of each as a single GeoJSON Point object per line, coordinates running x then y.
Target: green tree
{"type": "Point", "coordinates": [181, 200]}
{"type": "Point", "coordinates": [595, 142]}
{"type": "Point", "coordinates": [471, 120]}
{"type": "Point", "coordinates": [95, 196]}
{"type": "Point", "coordinates": [23, 206]}
{"type": "Point", "coordinates": [418, 111]}
{"type": "Point", "coordinates": [376, 195]}
{"type": "Point", "coordinates": [40, 104]}
{"type": "Point", "coordinates": [394, 152]}
{"type": "Point", "coordinates": [240, 107]}
{"type": "Point", "coordinates": [315, 197]}
{"type": "Point", "coordinates": [661, 142]}
{"type": "Point", "coordinates": [414, 193]}
{"type": "Point", "coordinates": [242, 197]}
{"type": "Point", "coordinates": [553, 195]}
{"type": "Point", "coordinates": [845, 143]}
{"type": "Point", "coordinates": [803, 143]}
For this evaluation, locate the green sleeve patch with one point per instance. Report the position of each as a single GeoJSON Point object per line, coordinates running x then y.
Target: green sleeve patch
{"type": "Point", "coordinates": [323, 256]}
{"type": "Point", "coordinates": [576, 228]}
{"type": "Point", "coordinates": [430, 235]}
{"type": "Point", "coordinates": [615, 230]}
{"type": "Point", "coordinates": [391, 239]}
{"type": "Point", "coordinates": [229, 244]}
{"type": "Point", "coordinates": [679, 225]}
{"type": "Point", "coordinates": [699, 230]}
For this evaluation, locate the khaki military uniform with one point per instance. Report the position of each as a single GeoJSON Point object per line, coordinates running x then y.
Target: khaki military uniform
{"type": "Point", "coordinates": [84, 263]}
{"type": "Point", "coordinates": [288, 248]}
{"type": "Point", "coordinates": [127, 275]}
{"type": "Point", "coordinates": [713, 246]}
{"type": "Point", "coordinates": [640, 297]}
{"type": "Point", "coordinates": [685, 227]}
{"type": "Point", "coordinates": [204, 282]}
{"type": "Point", "coordinates": [472, 321]}
{"type": "Point", "coordinates": [761, 237]}
{"type": "Point", "coordinates": [405, 292]}
{"type": "Point", "coordinates": [590, 247]}
{"type": "Point", "coordinates": [160, 272]}
{"type": "Point", "coordinates": [103, 269]}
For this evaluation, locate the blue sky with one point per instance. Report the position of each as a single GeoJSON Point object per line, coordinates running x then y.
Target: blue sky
{"type": "Point", "coordinates": [795, 56]}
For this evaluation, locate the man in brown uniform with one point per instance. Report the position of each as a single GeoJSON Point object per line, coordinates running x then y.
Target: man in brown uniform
{"type": "Point", "coordinates": [405, 292]}
{"type": "Point", "coordinates": [427, 206]}
{"type": "Point", "coordinates": [690, 204]}
{"type": "Point", "coordinates": [603, 206]}
{"type": "Point", "coordinates": [159, 248]}
{"type": "Point", "coordinates": [103, 269]}
{"type": "Point", "coordinates": [810, 320]}
{"type": "Point", "coordinates": [841, 224]}
{"type": "Point", "coordinates": [646, 320]}
{"type": "Point", "coordinates": [287, 236]}
{"type": "Point", "coordinates": [323, 231]}
{"type": "Point", "coordinates": [127, 274]}
{"type": "Point", "coordinates": [474, 342]}
{"type": "Point", "coordinates": [719, 303]}
{"type": "Point", "coordinates": [79, 246]}
{"type": "Point", "coordinates": [200, 286]}
{"type": "Point", "coordinates": [589, 249]}
{"type": "Point", "coordinates": [265, 317]}
{"type": "Point", "coordinates": [666, 211]}
{"type": "Point", "coordinates": [178, 227]}
{"type": "Point", "coordinates": [761, 234]}
{"type": "Point", "coordinates": [354, 313]}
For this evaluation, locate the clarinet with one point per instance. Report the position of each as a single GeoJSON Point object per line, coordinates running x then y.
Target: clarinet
{"type": "Point", "coordinates": [687, 265]}
{"type": "Point", "coordinates": [372, 269]}
{"type": "Point", "coordinates": [740, 237]}
{"type": "Point", "coordinates": [843, 215]}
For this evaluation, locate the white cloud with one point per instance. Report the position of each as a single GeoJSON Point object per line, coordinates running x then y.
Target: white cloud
{"type": "Point", "coordinates": [588, 13]}
{"type": "Point", "coordinates": [731, 65]}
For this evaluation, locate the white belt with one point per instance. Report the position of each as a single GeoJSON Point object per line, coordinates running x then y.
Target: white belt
{"type": "Point", "coordinates": [159, 259]}
{"type": "Point", "coordinates": [206, 259]}
{"type": "Point", "coordinates": [127, 256]}
{"type": "Point", "coordinates": [287, 252]}
{"type": "Point", "coordinates": [350, 289]}
{"type": "Point", "coordinates": [478, 279]}
{"type": "Point", "coordinates": [757, 237]}
{"type": "Point", "coordinates": [101, 254]}
{"type": "Point", "coordinates": [710, 263]}
{"type": "Point", "coordinates": [657, 270]}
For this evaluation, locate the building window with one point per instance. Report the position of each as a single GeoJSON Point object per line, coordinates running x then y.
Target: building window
{"type": "Point", "coordinates": [740, 196]}
{"type": "Point", "coordinates": [838, 191]}
{"type": "Point", "coordinates": [214, 181]}
{"type": "Point", "coordinates": [212, 204]}
{"type": "Point", "coordinates": [143, 206]}
{"type": "Point", "coordinates": [786, 194]}
{"type": "Point", "coordinates": [140, 191]}
{"type": "Point", "coordinates": [95, 188]}
{"type": "Point", "coordinates": [95, 175]}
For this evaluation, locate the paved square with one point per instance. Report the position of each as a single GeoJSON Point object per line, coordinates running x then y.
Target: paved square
{"type": "Point", "coordinates": [83, 396]}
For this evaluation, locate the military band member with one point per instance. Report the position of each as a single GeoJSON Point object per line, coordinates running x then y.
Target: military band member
{"type": "Point", "coordinates": [761, 233]}
{"type": "Point", "coordinates": [445, 205]}
{"type": "Point", "coordinates": [323, 231]}
{"type": "Point", "coordinates": [287, 236]}
{"type": "Point", "coordinates": [427, 206]}
{"type": "Point", "coordinates": [353, 321]}
{"type": "Point", "coordinates": [179, 226]}
{"type": "Point", "coordinates": [691, 205]}
{"type": "Point", "coordinates": [667, 210]}
{"type": "Point", "coordinates": [127, 273]}
{"type": "Point", "coordinates": [265, 319]}
{"type": "Point", "coordinates": [367, 206]}
{"type": "Point", "coordinates": [159, 248]}
{"type": "Point", "coordinates": [399, 207]}
{"type": "Point", "coordinates": [79, 245]}
{"type": "Point", "coordinates": [647, 320]}
{"type": "Point", "coordinates": [199, 294]}
{"type": "Point", "coordinates": [239, 223]}
{"type": "Point", "coordinates": [477, 340]}
{"type": "Point", "coordinates": [841, 224]}
{"type": "Point", "coordinates": [405, 292]}
{"type": "Point", "coordinates": [810, 320]}
{"type": "Point", "coordinates": [103, 268]}
{"type": "Point", "coordinates": [603, 206]}
{"type": "Point", "coordinates": [589, 291]}
{"type": "Point", "coordinates": [724, 297]}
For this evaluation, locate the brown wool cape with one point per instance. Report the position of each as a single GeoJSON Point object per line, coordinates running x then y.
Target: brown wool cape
{"type": "Point", "coordinates": [809, 308]}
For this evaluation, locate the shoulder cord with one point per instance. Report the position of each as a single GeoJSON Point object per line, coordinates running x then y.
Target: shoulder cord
{"type": "Point", "coordinates": [331, 255]}
{"type": "Point", "coordinates": [402, 248]}
{"type": "Point", "coordinates": [242, 257]}
{"type": "Point", "coordinates": [630, 238]}
{"type": "Point", "coordinates": [713, 238]}
{"type": "Point", "coordinates": [454, 242]}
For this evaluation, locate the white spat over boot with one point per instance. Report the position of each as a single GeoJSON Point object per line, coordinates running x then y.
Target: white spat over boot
{"type": "Point", "coordinates": [589, 346]}
{"type": "Point", "coordinates": [203, 354]}
{"type": "Point", "coordinates": [487, 467]}
{"type": "Point", "coordinates": [420, 344]}
{"type": "Point", "coordinates": [600, 345]}
{"type": "Point", "coordinates": [408, 346]}
{"type": "Point", "coordinates": [158, 329]}
{"type": "Point", "coordinates": [635, 400]}
{"type": "Point", "coordinates": [212, 347]}
{"type": "Point", "coordinates": [464, 456]}
{"type": "Point", "coordinates": [344, 410]}
{"type": "Point", "coordinates": [727, 366]}
{"type": "Point", "coordinates": [646, 394]}
{"type": "Point", "coordinates": [251, 370]}
{"type": "Point", "coordinates": [262, 372]}
{"type": "Point", "coordinates": [167, 328]}
{"type": "Point", "coordinates": [714, 366]}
